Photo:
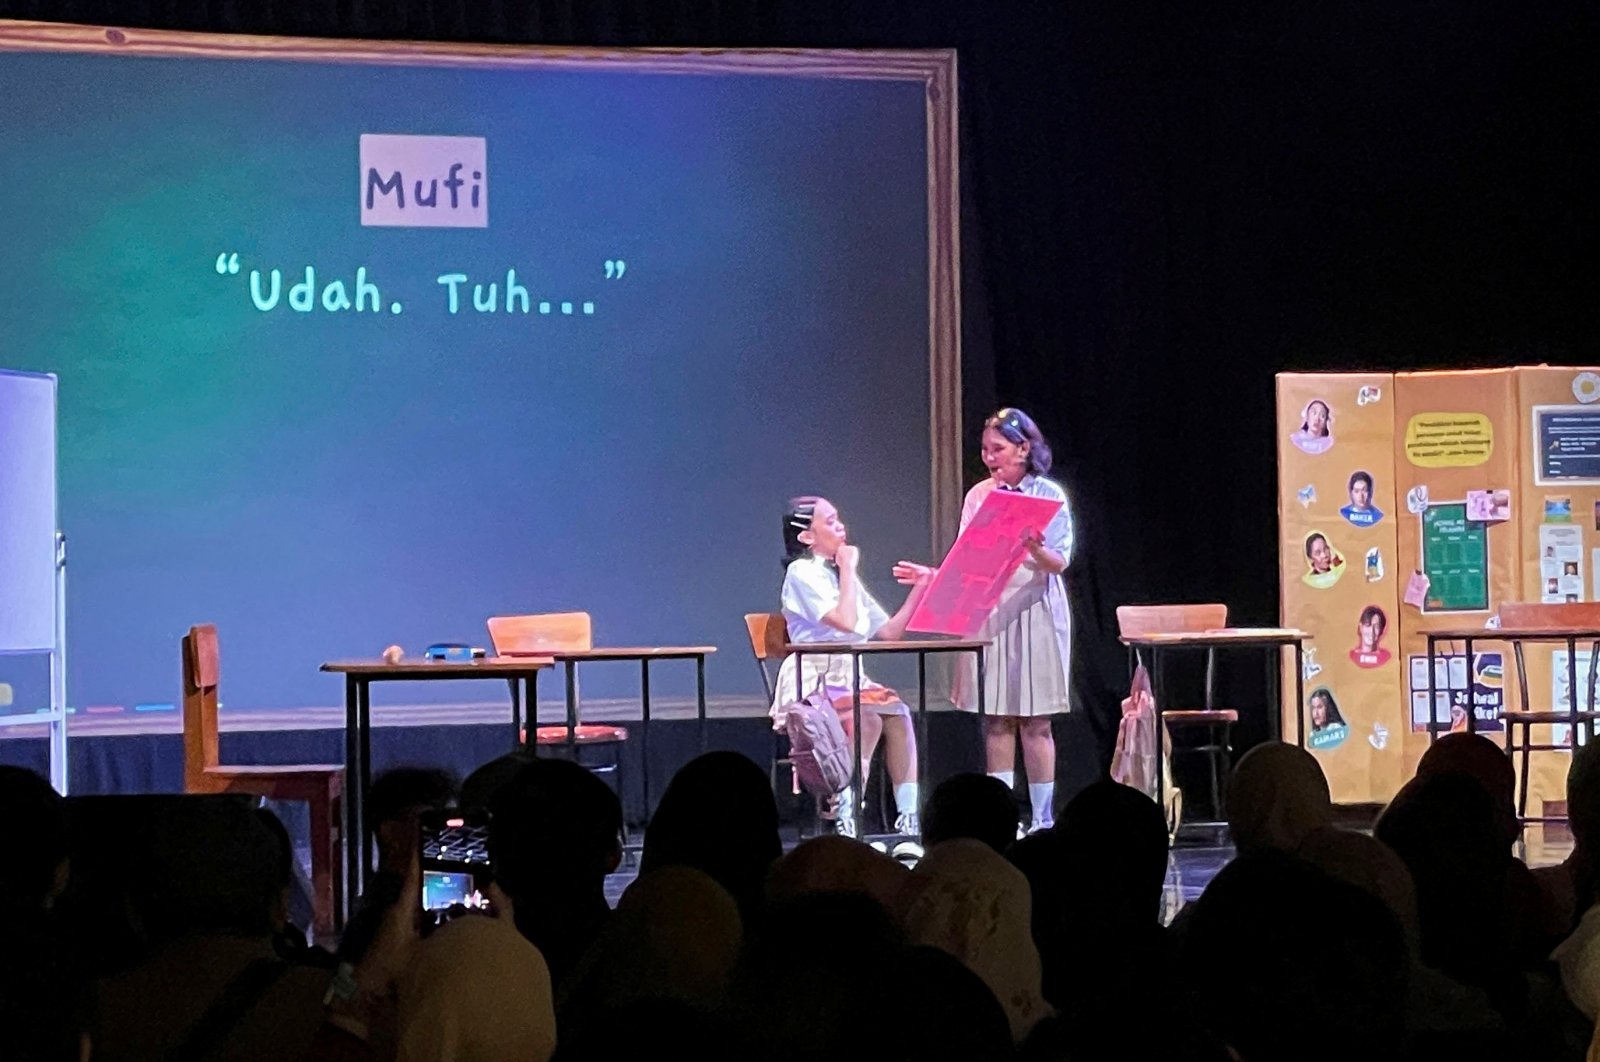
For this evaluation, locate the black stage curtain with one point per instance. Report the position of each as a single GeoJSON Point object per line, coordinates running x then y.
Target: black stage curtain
{"type": "Point", "coordinates": [1165, 204]}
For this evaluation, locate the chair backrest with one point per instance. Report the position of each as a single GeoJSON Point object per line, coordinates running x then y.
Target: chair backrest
{"type": "Point", "coordinates": [1136, 620]}
{"type": "Point", "coordinates": [1533, 615]}
{"type": "Point", "coordinates": [769, 633]}
{"type": "Point", "coordinates": [201, 676]}
{"type": "Point", "coordinates": [545, 632]}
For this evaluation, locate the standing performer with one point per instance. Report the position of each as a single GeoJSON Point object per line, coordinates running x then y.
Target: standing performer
{"type": "Point", "coordinates": [1027, 665]}
{"type": "Point", "coordinates": [824, 601]}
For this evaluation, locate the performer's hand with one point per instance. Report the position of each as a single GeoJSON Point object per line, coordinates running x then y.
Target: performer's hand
{"type": "Point", "coordinates": [909, 573]}
{"type": "Point", "coordinates": [848, 557]}
{"type": "Point", "coordinates": [1033, 540]}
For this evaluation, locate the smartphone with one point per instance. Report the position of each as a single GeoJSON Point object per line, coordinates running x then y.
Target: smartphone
{"type": "Point", "coordinates": [454, 846]}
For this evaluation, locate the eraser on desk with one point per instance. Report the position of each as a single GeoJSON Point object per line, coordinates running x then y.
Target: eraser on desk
{"type": "Point", "coordinates": [452, 651]}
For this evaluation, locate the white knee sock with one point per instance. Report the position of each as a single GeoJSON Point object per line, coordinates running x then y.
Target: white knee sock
{"type": "Point", "coordinates": [1042, 795]}
{"type": "Point", "coordinates": [905, 798]}
{"type": "Point", "coordinates": [1007, 778]}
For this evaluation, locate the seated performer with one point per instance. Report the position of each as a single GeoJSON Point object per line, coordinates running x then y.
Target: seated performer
{"type": "Point", "coordinates": [824, 600]}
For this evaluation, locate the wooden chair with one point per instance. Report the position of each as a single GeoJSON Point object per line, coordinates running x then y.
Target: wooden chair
{"type": "Point", "coordinates": [1217, 746]}
{"type": "Point", "coordinates": [320, 786]}
{"type": "Point", "coordinates": [1536, 616]}
{"type": "Point", "coordinates": [558, 632]}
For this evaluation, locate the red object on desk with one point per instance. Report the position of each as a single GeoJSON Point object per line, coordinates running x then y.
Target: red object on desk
{"type": "Point", "coordinates": [981, 563]}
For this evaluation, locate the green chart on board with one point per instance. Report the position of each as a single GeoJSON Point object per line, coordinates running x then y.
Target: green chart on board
{"type": "Point", "coordinates": [1455, 558]}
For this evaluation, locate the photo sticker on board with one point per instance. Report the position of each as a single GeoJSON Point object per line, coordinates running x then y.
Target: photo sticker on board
{"type": "Point", "coordinates": [1361, 512]}
{"type": "Point", "coordinates": [1315, 434]}
{"type": "Point", "coordinates": [1489, 506]}
{"type": "Point", "coordinates": [1558, 509]}
{"type": "Point", "coordinates": [1374, 565]}
{"type": "Point", "coordinates": [1586, 387]}
{"type": "Point", "coordinates": [1324, 564]}
{"type": "Point", "coordinates": [1328, 728]}
{"type": "Point", "coordinates": [1417, 499]}
{"type": "Point", "coordinates": [1371, 626]}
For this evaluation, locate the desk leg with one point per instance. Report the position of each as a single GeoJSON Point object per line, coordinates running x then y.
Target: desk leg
{"type": "Point", "coordinates": [1275, 726]}
{"type": "Point", "coordinates": [516, 712]}
{"type": "Point", "coordinates": [364, 708]}
{"type": "Point", "coordinates": [644, 738]}
{"type": "Point", "coordinates": [981, 681]}
{"type": "Point", "coordinates": [1594, 664]}
{"type": "Point", "coordinates": [352, 796]}
{"type": "Point", "coordinates": [1472, 693]}
{"type": "Point", "coordinates": [572, 704]}
{"type": "Point", "coordinates": [700, 699]}
{"type": "Point", "coordinates": [857, 783]}
{"type": "Point", "coordinates": [921, 762]}
{"type": "Point", "coordinates": [1572, 692]}
{"type": "Point", "coordinates": [1161, 760]}
{"type": "Point", "coordinates": [531, 717]}
{"type": "Point", "coordinates": [1300, 692]}
{"type": "Point", "coordinates": [1433, 709]}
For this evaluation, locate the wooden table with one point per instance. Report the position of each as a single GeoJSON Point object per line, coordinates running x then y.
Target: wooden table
{"type": "Point", "coordinates": [643, 656]}
{"type": "Point", "coordinates": [1516, 637]}
{"type": "Point", "coordinates": [1273, 638]}
{"type": "Point", "coordinates": [358, 678]}
{"type": "Point", "coordinates": [922, 647]}
{"type": "Point", "coordinates": [522, 673]}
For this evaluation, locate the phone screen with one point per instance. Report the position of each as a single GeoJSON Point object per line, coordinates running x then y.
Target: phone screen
{"type": "Point", "coordinates": [442, 890]}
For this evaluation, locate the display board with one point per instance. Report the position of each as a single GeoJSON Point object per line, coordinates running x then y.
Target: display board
{"type": "Point", "coordinates": [1338, 507]}
{"type": "Point", "coordinates": [27, 512]}
{"type": "Point", "coordinates": [1455, 559]}
{"type": "Point", "coordinates": [1496, 475]}
{"type": "Point", "coordinates": [1566, 442]}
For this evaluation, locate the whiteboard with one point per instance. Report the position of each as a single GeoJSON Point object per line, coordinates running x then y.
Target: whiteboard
{"type": "Point", "coordinates": [27, 512]}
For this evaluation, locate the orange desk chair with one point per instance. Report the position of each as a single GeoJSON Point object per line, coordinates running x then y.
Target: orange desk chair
{"type": "Point", "coordinates": [1217, 723]}
{"type": "Point", "coordinates": [1533, 615]}
{"type": "Point", "coordinates": [556, 632]}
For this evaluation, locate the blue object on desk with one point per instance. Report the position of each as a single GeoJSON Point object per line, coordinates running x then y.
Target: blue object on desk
{"type": "Point", "coordinates": [452, 651]}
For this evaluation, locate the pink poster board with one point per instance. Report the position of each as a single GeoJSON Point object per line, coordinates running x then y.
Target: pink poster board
{"type": "Point", "coordinates": [979, 565]}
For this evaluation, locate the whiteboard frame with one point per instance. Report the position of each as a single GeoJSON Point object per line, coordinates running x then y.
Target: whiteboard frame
{"type": "Point", "coordinates": [56, 715]}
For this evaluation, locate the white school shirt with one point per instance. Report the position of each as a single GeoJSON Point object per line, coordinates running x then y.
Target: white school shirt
{"type": "Point", "coordinates": [1058, 534]}
{"type": "Point", "coordinates": [811, 591]}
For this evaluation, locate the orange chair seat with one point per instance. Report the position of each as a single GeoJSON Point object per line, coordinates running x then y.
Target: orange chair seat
{"type": "Point", "coordinates": [1200, 716]}
{"type": "Point", "coordinates": [1548, 717]}
{"type": "Point", "coordinates": [305, 782]}
{"type": "Point", "coordinates": [584, 734]}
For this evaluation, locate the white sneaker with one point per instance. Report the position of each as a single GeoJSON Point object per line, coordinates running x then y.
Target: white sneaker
{"type": "Point", "coordinates": [908, 852]}
{"type": "Point", "coordinates": [1039, 824]}
{"type": "Point", "coordinates": [1022, 831]}
{"type": "Point", "coordinates": [907, 824]}
{"type": "Point", "coordinates": [879, 846]}
{"type": "Point", "coordinates": [845, 823]}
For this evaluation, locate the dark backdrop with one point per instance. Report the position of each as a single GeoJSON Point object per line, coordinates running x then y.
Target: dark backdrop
{"type": "Point", "coordinates": [1165, 204]}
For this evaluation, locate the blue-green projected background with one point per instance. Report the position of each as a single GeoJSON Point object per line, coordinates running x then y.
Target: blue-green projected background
{"type": "Point", "coordinates": [321, 484]}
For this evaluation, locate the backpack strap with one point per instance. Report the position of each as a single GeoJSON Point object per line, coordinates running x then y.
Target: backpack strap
{"type": "Point", "coordinates": [228, 1009]}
